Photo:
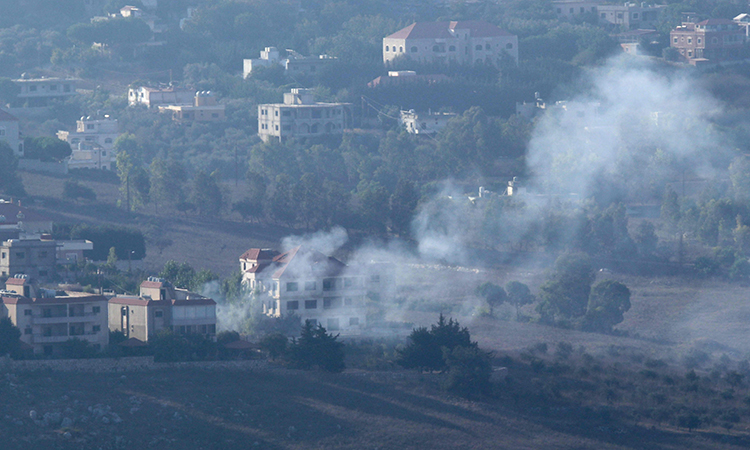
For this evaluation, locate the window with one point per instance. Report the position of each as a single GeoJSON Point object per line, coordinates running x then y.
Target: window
{"type": "Point", "coordinates": [375, 279]}
{"type": "Point", "coordinates": [690, 40]}
{"type": "Point", "coordinates": [619, 15]}
{"type": "Point", "coordinates": [310, 285]}
{"type": "Point", "coordinates": [286, 113]}
{"type": "Point", "coordinates": [414, 49]}
{"type": "Point", "coordinates": [96, 309]}
{"type": "Point", "coordinates": [452, 48]}
{"type": "Point", "coordinates": [635, 15]}
{"type": "Point", "coordinates": [353, 321]}
{"type": "Point", "coordinates": [27, 330]}
{"type": "Point", "coordinates": [292, 286]}
{"type": "Point", "coordinates": [108, 140]}
{"type": "Point", "coordinates": [311, 304]}
{"type": "Point", "coordinates": [214, 115]}
{"type": "Point", "coordinates": [292, 306]}
{"type": "Point", "coordinates": [401, 49]}
{"type": "Point", "coordinates": [53, 87]}
{"type": "Point", "coordinates": [486, 46]}
{"type": "Point", "coordinates": [89, 126]}
{"type": "Point", "coordinates": [348, 282]}
{"type": "Point", "coordinates": [348, 301]}
{"type": "Point", "coordinates": [313, 322]}
{"type": "Point", "coordinates": [509, 45]}
{"type": "Point", "coordinates": [604, 15]}
{"type": "Point", "coordinates": [104, 153]}
{"type": "Point", "coordinates": [327, 303]}
{"type": "Point", "coordinates": [26, 312]}
{"type": "Point", "coordinates": [276, 113]}
{"type": "Point", "coordinates": [387, 48]}
{"type": "Point", "coordinates": [96, 329]}
{"type": "Point", "coordinates": [3, 256]}
{"type": "Point", "coordinates": [435, 48]}
{"type": "Point", "coordinates": [333, 324]}
{"type": "Point", "coordinates": [478, 47]}
{"type": "Point", "coordinates": [583, 10]}
{"type": "Point", "coordinates": [32, 88]}
{"type": "Point", "coordinates": [329, 284]}
{"type": "Point", "coordinates": [20, 255]}
{"type": "Point", "coordinates": [66, 88]}
{"type": "Point", "coordinates": [158, 313]}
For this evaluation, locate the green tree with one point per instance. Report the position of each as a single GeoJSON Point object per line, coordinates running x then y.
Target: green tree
{"type": "Point", "coordinates": [207, 195]}
{"type": "Point", "coordinates": [493, 294]}
{"type": "Point", "coordinates": [73, 190]}
{"type": "Point", "coordinates": [608, 302]}
{"type": "Point", "coordinates": [670, 209]}
{"type": "Point", "coordinates": [424, 350]}
{"type": "Point", "coordinates": [10, 337]}
{"type": "Point", "coordinates": [46, 148]}
{"type": "Point", "coordinates": [565, 295]}
{"type": "Point", "coordinates": [518, 295]}
{"type": "Point", "coordinates": [739, 174]}
{"type": "Point", "coordinates": [179, 274]}
{"type": "Point", "coordinates": [316, 348]}
{"type": "Point", "coordinates": [645, 238]}
{"type": "Point", "coordinates": [112, 258]}
{"type": "Point", "coordinates": [10, 183]}
{"type": "Point", "coordinates": [469, 370]}
{"type": "Point", "coordinates": [274, 344]}
{"type": "Point", "coordinates": [403, 204]}
{"type": "Point", "coordinates": [167, 182]}
{"type": "Point", "coordinates": [125, 171]}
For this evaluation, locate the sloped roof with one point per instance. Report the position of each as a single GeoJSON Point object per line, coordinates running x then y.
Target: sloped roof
{"type": "Point", "coordinates": [300, 262]}
{"type": "Point", "coordinates": [256, 254]}
{"type": "Point", "coordinates": [5, 116]}
{"type": "Point", "coordinates": [442, 30]}
{"type": "Point", "coordinates": [717, 22]}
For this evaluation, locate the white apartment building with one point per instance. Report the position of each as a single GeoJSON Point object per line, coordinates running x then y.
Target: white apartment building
{"type": "Point", "coordinates": [461, 42]}
{"type": "Point", "coordinates": [93, 143]}
{"type": "Point", "coordinates": [10, 134]}
{"type": "Point", "coordinates": [152, 97]}
{"type": "Point", "coordinates": [40, 91]}
{"type": "Point", "coordinates": [300, 116]}
{"type": "Point", "coordinates": [296, 64]}
{"type": "Point", "coordinates": [424, 123]}
{"type": "Point", "coordinates": [313, 286]}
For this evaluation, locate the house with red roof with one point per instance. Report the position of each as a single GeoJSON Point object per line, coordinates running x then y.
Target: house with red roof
{"type": "Point", "coordinates": [709, 41]}
{"type": "Point", "coordinates": [313, 286]}
{"type": "Point", "coordinates": [459, 42]}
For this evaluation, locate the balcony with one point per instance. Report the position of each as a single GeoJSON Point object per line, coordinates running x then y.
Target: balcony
{"type": "Point", "coordinates": [49, 339]}
{"type": "Point", "coordinates": [86, 317]}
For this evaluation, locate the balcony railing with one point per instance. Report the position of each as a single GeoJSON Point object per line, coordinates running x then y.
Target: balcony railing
{"type": "Point", "coordinates": [85, 317]}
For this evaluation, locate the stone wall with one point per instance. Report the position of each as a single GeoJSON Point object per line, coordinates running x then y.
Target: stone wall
{"type": "Point", "coordinates": [34, 165]}
{"type": "Point", "coordinates": [128, 364]}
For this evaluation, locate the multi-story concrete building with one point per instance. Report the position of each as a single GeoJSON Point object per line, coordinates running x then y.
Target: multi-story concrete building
{"type": "Point", "coordinates": [40, 91]}
{"type": "Point", "coordinates": [300, 116]}
{"type": "Point", "coordinates": [162, 306]}
{"type": "Point", "coordinates": [314, 286]}
{"type": "Point", "coordinates": [426, 122]}
{"type": "Point", "coordinates": [9, 133]}
{"type": "Point", "coordinates": [296, 64]}
{"type": "Point", "coordinates": [34, 257]}
{"type": "Point", "coordinates": [711, 40]}
{"type": "Point", "coordinates": [459, 42]}
{"type": "Point", "coordinates": [204, 109]}
{"type": "Point", "coordinates": [569, 9]}
{"type": "Point", "coordinates": [93, 143]}
{"type": "Point", "coordinates": [153, 97]}
{"type": "Point", "coordinates": [631, 15]}
{"type": "Point", "coordinates": [47, 319]}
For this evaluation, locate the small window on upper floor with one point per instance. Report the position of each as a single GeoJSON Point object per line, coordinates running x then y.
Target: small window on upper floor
{"type": "Point", "coordinates": [387, 48]}
{"type": "Point", "coordinates": [478, 47]}
{"type": "Point", "coordinates": [414, 49]}
{"type": "Point", "coordinates": [509, 45]}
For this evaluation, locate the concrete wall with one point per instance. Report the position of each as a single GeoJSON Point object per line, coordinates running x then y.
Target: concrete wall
{"type": "Point", "coordinates": [128, 364]}
{"type": "Point", "coordinates": [39, 166]}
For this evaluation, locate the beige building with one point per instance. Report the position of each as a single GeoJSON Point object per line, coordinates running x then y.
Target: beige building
{"type": "Point", "coordinates": [313, 286]}
{"type": "Point", "coordinates": [631, 15]}
{"type": "Point", "coordinates": [40, 91]}
{"type": "Point", "coordinates": [204, 109]}
{"type": "Point", "coordinates": [47, 318]}
{"type": "Point", "coordinates": [34, 257]}
{"type": "Point", "coordinates": [300, 116]}
{"type": "Point", "coordinates": [10, 134]}
{"type": "Point", "coordinates": [93, 143]}
{"type": "Point", "coordinates": [459, 42]}
{"type": "Point", "coordinates": [162, 306]}
{"type": "Point", "coordinates": [153, 97]}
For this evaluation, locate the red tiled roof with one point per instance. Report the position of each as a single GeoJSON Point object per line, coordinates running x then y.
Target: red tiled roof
{"type": "Point", "coordinates": [16, 281]}
{"type": "Point", "coordinates": [152, 284]}
{"type": "Point", "coordinates": [16, 300]}
{"type": "Point", "coordinates": [72, 299]}
{"type": "Point", "coordinates": [442, 30]}
{"type": "Point", "coordinates": [300, 262]}
{"type": "Point", "coordinates": [131, 301]}
{"type": "Point", "coordinates": [257, 254]}
{"type": "Point", "coordinates": [5, 116]}
{"type": "Point", "coordinates": [257, 269]}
